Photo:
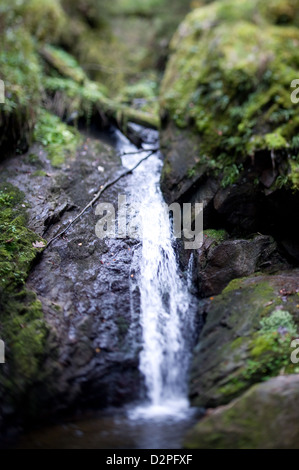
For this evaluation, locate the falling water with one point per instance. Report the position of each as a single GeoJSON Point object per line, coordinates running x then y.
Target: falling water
{"type": "Point", "coordinates": [165, 311]}
{"type": "Point", "coordinates": [167, 318]}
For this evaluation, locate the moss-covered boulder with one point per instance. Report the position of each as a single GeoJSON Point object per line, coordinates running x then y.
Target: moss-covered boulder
{"type": "Point", "coordinates": [21, 74]}
{"type": "Point", "coordinates": [265, 417]}
{"type": "Point", "coordinates": [226, 108]}
{"type": "Point", "coordinates": [44, 20]}
{"type": "Point", "coordinates": [22, 325]}
{"type": "Point", "coordinates": [229, 79]}
{"type": "Point", "coordinates": [246, 338]}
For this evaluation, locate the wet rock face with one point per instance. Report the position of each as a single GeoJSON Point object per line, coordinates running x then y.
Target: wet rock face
{"type": "Point", "coordinates": [265, 417]}
{"type": "Point", "coordinates": [83, 283]}
{"type": "Point", "coordinates": [87, 304]}
{"type": "Point", "coordinates": [245, 206]}
{"type": "Point", "coordinates": [238, 346]}
{"type": "Point", "coordinates": [221, 261]}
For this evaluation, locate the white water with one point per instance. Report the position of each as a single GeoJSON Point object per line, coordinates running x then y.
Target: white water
{"type": "Point", "coordinates": [166, 317]}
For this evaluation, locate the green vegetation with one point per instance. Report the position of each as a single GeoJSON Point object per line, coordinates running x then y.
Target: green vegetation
{"type": "Point", "coordinates": [251, 335]}
{"type": "Point", "coordinates": [269, 352]}
{"type": "Point", "coordinates": [136, 7]}
{"type": "Point", "coordinates": [21, 324]}
{"type": "Point", "coordinates": [20, 71]}
{"type": "Point", "coordinates": [44, 20]}
{"type": "Point", "coordinates": [229, 80]}
{"type": "Point", "coordinates": [65, 64]}
{"type": "Point", "coordinates": [38, 74]}
{"type": "Point", "coordinates": [217, 235]}
{"type": "Point", "coordinates": [58, 139]}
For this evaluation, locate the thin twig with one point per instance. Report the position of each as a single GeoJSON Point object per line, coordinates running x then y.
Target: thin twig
{"type": "Point", "coordinates": [139, 151]}
{"type": "Point", "coordinates": [97, 196]}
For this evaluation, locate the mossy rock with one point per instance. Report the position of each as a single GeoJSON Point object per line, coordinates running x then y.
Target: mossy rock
{"type": "Point", "coordinates": [93, 13]}
{"type": "Point", "coordinates": [58, 139]}
{"type": "Point", "coordinates": [21, 73]}
{"type": "Point", "coordinates": [22, 325]}
{"type": "Point", "coordinates": [228, 81]}
{"type": "Point", "coordinates": [44, 20]}
{"type": "Point", "coordinates": [265, 417]}
{"type": "Point", "coordinates": [238, 346]}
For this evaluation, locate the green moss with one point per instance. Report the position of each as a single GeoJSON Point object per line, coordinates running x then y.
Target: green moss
{"type": "Point", "coordinates": [99, 51]}
{"type": "Point", "coordinates": [39, 173]}
{"type": "Point", "coordinates": [58, 139]}
{"type": "Point", "coordinates": [234, 388]}
{"type": "Point", "coordinates": [261, 345]}
{"type": "Point", "coordinates": [268, 352]}
{"type": "Point", "coordinates": [237, 343]}
{"type": "Point", "coordinates": [235, 284]}
{"type": "Point", "coordinates": [278, 319]}
{"type": "Point", "coordinates": [24, 333]}
{"type": "Point", "coordinates": [142, 94]}
{"type": "Point", "coordinates": [231, 175]}
{"type": "Point", "coordinates": [16, 240]}
{"type": "Point", "coordinates": [20, 71]}
{"type": "Point", "coordinates": [251, 311]}
{"type": "Point", "coordinates": [191, 172]}
{"type": "Point", "coordinates": [92, 13]}
{"type": "Point", "coordinates": [64, 63]}
{"type": "Point", "coordinates": [136, 7]}
{"type": "Point", "coordinates": [217, 235]}
{"type": "Point", "coordinates": [294, 174]}
{"type": "Point", "coordinates": [74, 99]}
{"type": "Point", "coordinates": [275, 141]}
{"type": "Point", "coordinates": [45, 20]}
{"type": "Point", "coordinates": [21, 319]}
{"type": "Point", "coordinates": [229, 80]}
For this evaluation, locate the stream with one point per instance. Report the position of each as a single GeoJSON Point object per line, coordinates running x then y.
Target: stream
{"type": "Point", "coordinates": [165, 311]}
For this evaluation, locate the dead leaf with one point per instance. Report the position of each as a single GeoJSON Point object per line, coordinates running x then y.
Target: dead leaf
{"type": "Point", "coordinates": [38, 244]}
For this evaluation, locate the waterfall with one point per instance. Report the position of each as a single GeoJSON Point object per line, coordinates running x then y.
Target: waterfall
{"type": "Point", "coordinates": [166, 316]}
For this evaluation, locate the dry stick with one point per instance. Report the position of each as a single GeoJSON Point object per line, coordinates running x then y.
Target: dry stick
{"type": "Point", "coordinates": [97, 196]}
{"type": "Point", "coordinates": [123, 154]}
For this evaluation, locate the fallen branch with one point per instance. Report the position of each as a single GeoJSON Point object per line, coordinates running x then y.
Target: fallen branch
{"type": "Point", "coordinates": [97, 196]}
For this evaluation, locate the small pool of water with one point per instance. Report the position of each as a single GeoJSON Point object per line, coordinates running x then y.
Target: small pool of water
{"type": "Point", "coordinates": [115, 430]}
